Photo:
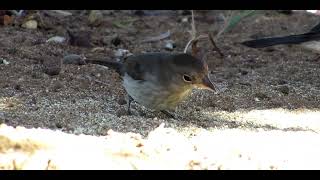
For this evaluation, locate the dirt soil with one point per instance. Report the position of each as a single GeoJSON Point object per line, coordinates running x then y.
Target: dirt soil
{"type": "Point", "coordinates": [274, 88]}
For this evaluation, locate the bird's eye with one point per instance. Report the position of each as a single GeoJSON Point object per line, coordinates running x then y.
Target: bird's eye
{"type": "Point", "coordinates": [186, 78]}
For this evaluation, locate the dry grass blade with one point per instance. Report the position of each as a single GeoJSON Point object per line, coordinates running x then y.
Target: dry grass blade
{"type": "Point", "coordinates": [193, 33]}
{"type": "Point", "coordinates": [225, 24]}
{"type": "Point", "coordinates": [215, 46]}
{"type": "Point", "coordinates": [232, 20]}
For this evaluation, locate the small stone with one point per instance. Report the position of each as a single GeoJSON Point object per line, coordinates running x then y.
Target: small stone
{"type": "Point", "coordinates": [282, 82]}
{"type": "Point", "coordinates": [116, 41]}
{"type": "Point", "coordinates": [1, 114]}
{"type": "Point", "coordinates": [185, 20]}
{"type": "Point", "coordinates": [95, 17]}
{"type": "Point", "coordinates": [58, 125]}
{"type": "Point", "coordinates": [284, 89]}
{"type": "Point", "coordinates": [52, 66]}
{"type": "Point", "coordinates": [57, 86]}
{"type": "Point", "coordinates": [243, 71]}
{"type": "Point", "coordinates": [3, 61]}
{"type": "Point", "coordinates": [121, 112]}
{"type": "Point", "coordinates": [31, 24]}
{"type": "Point", "coordinates": [74, 59]}
{"type": "Point", "coordinates": [121, 53]}
{"type": "Point", "coordinates": [169, 45]}
{"type": "Point", "coordinates": [81, 39]}
{"type": "Point", "coordinates": [122, 101]}
{"type": "Point", "coordinates": [17, 87]}
{"type": "Point", "coordinates": [33, 100]}
{"type": "Point", "coordinates": [261, 96]}
{"type": "Point", "coordinates": [56, 39]}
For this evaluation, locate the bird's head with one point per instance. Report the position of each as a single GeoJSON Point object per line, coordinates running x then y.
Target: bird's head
{"type": "Point", "coordinates": [191, 72]}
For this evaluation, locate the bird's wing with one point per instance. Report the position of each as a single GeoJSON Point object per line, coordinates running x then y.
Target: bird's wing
{"type": "Point", "coordinates": [134, 69]}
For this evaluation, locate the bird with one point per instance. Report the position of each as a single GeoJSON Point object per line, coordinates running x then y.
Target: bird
{"type": "Point", "coordinates": [160, 81]}
{"type": "Point", "coordinates": [304, 38]}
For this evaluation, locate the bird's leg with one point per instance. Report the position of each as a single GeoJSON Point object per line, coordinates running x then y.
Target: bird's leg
{"type": "Point", "coordinates": [169, 114]}
{"type": "Point", "coordinates": [130, 99]}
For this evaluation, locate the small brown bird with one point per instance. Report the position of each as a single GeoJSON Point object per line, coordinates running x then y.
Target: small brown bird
{"type": "Point", "coordinates": [160, 81]}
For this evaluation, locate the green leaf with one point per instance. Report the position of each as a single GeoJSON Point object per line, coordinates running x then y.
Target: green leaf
{"type": "Point", "coordinates": [124, 23]}
{"type": "Point", "coordinates": [237, 18]}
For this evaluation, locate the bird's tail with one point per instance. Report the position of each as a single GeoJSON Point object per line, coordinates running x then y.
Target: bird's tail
{"type": "Point", "coordinates": [111, 64]}
{"type": "Point", "coordinates": [292, 39]}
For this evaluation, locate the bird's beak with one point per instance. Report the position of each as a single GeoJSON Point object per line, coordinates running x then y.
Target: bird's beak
{"type": "Point", "coordinates": [207, 84]}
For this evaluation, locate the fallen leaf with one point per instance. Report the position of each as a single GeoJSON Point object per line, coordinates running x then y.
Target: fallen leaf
{"type": "Point", "coordinates": [7, 20]}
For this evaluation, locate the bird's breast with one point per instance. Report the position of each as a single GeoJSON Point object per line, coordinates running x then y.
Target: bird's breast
{"type": "Point", "coordinates": [153, 94]}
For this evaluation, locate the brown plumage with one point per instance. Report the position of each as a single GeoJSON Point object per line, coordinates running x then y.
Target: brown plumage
{"type": "Point", "coordinates": [160, 81]}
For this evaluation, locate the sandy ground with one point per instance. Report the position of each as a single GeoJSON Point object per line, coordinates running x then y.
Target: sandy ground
{"type": "Point", "coordinates": [268, 107]}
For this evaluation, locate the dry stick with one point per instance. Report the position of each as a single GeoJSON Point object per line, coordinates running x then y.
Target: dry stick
{"type": "Point", "coordinates": [193, 33]}
{"type": "Point", "coordinates": [188, 44]}
{"type": "Point", "coordinates": [193, 26]}
{"type": "Point", "coordinates": [194, 48]}
{"type": "Point", "coordinates": [215, 46]}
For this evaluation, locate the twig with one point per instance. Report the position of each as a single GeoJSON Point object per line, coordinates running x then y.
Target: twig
{"type": "Point", "coordinates": [193, 26]}
{"type": "Point", "coordinates": [215, 46]}
{"type": "Point", "coordinates": [194, 48]}
{"type": "Point", "coordinates": [196, 39]}
{"type": "Point", "coordinates": [193, 32]}
{"type": "Point", "coordinates": [187, 46]}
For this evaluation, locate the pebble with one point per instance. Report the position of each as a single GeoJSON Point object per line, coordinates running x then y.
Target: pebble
{"type": "Point", "coordinates": [74, 59]}
{"type": "Point", "coordinates": [284, 89]}
{"type": "Point", "coordinates": [56, 39]}
{"type": "Point", "coordinates": [81, 39]}
{"type": "Point", "coordinates": [116, 41]}
{"type": "Point", "coordinates": [57, 86]}
{"type": "Point", "coordinates": [3, 61]}
{"type": "Point", "coordinates": [31, 24]}
{"type": "Point", "coordinates": [122, 101]}
{"type": "Point", "coordinates": [121, 112]}
{"type": "Point", "coordinates": [261, 96]}
{"type": "Point", "coordinates": [122, 53]}
{"type": "Point", "coordinates": [169, 45]}
{"type": "Point", "coordinates": [1, 114]}
{"type": "Point", "coordinates": [95, 17]}
{"type": "Point", "coordinates": [52, 66]}
{"type": "Point", "coordinates": [185, 20]}
{"type": "Point", "coordinates": [58, 125]}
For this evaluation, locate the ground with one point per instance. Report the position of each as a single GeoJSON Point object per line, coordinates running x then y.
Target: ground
{"type": "Point", "coordinates": [265, 90]}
